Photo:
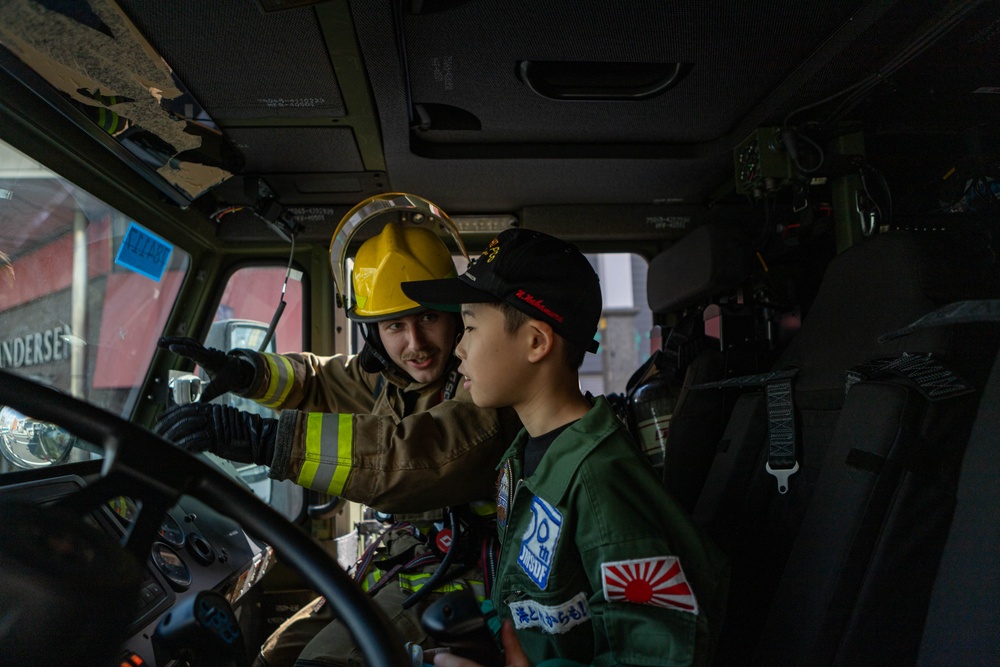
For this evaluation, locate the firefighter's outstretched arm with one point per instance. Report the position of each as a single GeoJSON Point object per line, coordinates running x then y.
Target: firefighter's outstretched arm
{"type": "Point", "coordinates": [222, 430]}
{"type": "Point", "coordinates": [227, 372]}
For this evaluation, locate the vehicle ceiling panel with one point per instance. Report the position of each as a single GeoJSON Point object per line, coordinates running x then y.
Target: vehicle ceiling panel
{"type": "Point", "coordinates": [240, 62]}
{"type": "Point", "coordinates": [455, 122]}
{"type": "Point", "coordinates": [452, 60]}
{"type": "Point", "coordinates": [506, 182]}
{"type": "Point", "coordinates": [751, 64]}
{"type": "Point", "coordinates": [279, 150]}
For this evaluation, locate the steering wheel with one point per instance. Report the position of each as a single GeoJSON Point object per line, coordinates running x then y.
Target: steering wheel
{"type": "Point", "coordinates": [155, 473]}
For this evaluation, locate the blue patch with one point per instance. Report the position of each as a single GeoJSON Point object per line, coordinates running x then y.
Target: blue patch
{"type": "Point", "coordinates": [503, 493]}
{"type": "Point", "coordinates": [538, 544]}
{"type": "Point", "coordinates": [144, 252]}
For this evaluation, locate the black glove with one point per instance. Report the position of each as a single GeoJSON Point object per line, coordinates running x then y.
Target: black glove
{"type": "Point", "coordinates": [226, 372]}
{"type": "Point", "coordinates": [221, 429]}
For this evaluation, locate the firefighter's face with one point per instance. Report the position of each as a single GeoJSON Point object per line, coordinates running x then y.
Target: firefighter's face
{"type": "Point", "coordinates": [420, 344]}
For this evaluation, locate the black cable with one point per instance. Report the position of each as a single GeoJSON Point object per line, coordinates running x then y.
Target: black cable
{"type": "Point", "coordinates": [858, 90]}
{"type": "Point", "coordinates": [765, 232]}
{"type": "Point", "coordinates": [403, 63]}
{"type": "Point", "coordinates": [823, 101]}
{"type": "Point", "coordinates": [439, 573]}
{"type": "Point", "coordinates": [820, 155]}
{"type": "Point", "coordinates": [918, 46]}
{"type": "Point", "coordinates": [864, 171]}
{"type": "Point", "coordinates": [281, 301]}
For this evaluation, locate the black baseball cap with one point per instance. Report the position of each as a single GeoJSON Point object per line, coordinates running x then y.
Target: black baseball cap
{"type": "Point", "coordinates": [544, 277]}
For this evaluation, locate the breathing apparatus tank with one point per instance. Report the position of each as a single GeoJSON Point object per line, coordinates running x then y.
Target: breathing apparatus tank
{"type": "Point", "coordinates": [651, 404]}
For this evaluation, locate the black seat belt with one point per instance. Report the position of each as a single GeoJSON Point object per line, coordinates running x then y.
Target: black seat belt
{"type": "Point", "coordinates": [959, 312]}
{"type": "Point", "coordinates": [932, 378]}
{"type": "Point", "coordinates": [781, 432]}
{"type": "Point", "coordinates": [961, 626]}
{"type": "Point", "coordinates": [779, 403]}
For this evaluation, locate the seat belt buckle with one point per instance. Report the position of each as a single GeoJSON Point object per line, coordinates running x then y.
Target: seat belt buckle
{"type": "Point", "coordinates": [782, 475]}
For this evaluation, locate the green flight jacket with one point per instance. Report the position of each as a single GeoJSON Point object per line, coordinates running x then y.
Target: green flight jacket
{"type": "Point", "coordinates": [598, 563]}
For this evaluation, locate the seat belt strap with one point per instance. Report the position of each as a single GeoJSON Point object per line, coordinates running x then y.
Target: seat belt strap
{"type": "Point", "coordinates": [933, 379]}
{"type": "Point", "coordinates": [781, 431]}
{"type": "Point", "coordinates": [779, 402]}
{"type": "Point", "coordinates": [744, 381]}
{"type": "Point", "coordinates": [959, 312]}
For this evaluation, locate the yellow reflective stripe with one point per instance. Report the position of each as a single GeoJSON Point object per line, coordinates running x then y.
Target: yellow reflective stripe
{"type": "Point", "coordinates": [314, 431]}
{"type": "Point", "coordinates": [413, 582]}
{"type": "Point", "coordinates": [371, 579]}
{"type": "Point", "coordinates": [329, 452]}
{"type": "Point", "coordinates": [345, 454]}
{"type": "Point", "coordinates": [280, 383]}
{"type": "Point", "coordinates": [483, 508]}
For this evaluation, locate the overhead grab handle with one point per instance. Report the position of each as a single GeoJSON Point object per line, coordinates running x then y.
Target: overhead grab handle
{"type": "Point", "coordinates": [604, 81]}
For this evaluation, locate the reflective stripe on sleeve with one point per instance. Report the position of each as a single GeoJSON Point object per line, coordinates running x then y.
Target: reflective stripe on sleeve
{"type": "Point", "coordinates": [411, 582]}
{"type": "Point", "coordinates": [373, 578]}
{"type": "Point", "coordinates": [280, 383]}
{"type": "Point", "coordinates": [483, 508]}
{"type": "Point", "coordinates": [329, 452]}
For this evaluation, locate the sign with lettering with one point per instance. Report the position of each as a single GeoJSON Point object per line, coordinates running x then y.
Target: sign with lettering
{"type": "Point", "coordinates": [144, 252]}
{"type": "Point", "coordinates": [32, 349]}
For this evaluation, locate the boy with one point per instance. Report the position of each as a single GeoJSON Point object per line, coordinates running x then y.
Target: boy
{"type": "Point", "coordinates": [598, 564]}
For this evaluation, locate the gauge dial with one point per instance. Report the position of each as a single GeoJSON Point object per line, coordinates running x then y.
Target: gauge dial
{"type": "Point", "coordinates": [124, 508]}
{"type": "Point", "coordinates": [171, 566]}
{"type": "Point", "coordinates": [171, 531]}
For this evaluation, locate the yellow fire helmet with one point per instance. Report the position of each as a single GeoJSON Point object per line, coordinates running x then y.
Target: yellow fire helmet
{"type": "Point", "coordinates": [405, 249]}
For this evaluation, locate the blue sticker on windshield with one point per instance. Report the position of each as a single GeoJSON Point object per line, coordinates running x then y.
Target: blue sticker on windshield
{"type": "Point", "coordinates": [144, 252]}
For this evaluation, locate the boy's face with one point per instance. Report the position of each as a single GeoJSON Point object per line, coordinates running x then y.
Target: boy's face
{"type": "Point", "coordinates": [420, 344]}
{"type": "Point", "coordinates": [492, 365]}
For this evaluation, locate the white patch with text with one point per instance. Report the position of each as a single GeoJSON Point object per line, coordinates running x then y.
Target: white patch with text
{"type": "Point", "coordinates": [554, 620]}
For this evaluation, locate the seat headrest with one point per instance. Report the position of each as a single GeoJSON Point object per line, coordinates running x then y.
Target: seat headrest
{"type": "Point", "coordinates": [874, 287]}
{"type": "Point", "coordinates": [711, 259]}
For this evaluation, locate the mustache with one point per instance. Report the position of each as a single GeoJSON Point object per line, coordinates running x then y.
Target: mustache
{"type": "Point", "coordinates": [418, 356]}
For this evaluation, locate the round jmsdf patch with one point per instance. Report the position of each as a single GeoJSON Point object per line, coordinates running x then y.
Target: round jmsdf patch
{"type": "Point", "coordinates": [538, 544]}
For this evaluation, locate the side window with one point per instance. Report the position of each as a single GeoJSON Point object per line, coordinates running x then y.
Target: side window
{"type": "Point", "coordinates": [84, 292]}
{"type": "Point", "coordinates": [252, 295]}
{"type": "Point", "coordinates": [626, 323]}
{"type": "Point", "coordinates": [248, 303]}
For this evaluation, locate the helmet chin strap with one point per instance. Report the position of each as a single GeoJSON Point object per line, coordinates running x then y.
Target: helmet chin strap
{"type": "Point", "coordinates": [374, 358]}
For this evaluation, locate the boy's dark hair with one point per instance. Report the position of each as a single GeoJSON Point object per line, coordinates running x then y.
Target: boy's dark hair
{"type": "Point", "coordinates": [513, 318]}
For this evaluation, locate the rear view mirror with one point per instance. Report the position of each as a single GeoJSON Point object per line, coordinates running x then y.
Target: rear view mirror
{"type": "Point", "coordinates": [185, 388]}
{"type": "Point", "coordinates": [234, 334]}
{"type": "Point", "coordinates": [31, 443]}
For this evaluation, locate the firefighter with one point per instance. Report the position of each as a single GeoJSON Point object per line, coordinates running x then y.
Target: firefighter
{"type": "Point", "coordinates": [389, 427]}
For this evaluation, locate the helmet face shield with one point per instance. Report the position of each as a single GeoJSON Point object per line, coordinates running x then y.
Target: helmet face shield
{"type": "Point", "coordinates": [400, 252]}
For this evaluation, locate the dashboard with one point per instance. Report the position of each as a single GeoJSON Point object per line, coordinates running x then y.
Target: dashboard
{"type": "Point", "coordinates": [198, 550]}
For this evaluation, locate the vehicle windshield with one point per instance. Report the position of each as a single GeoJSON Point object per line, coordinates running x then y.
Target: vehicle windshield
{"type": "Point", "coordinates": [84, 293]}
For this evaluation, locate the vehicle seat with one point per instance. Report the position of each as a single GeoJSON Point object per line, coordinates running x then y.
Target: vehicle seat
{"type": "Point", "coordinates": [852, 449]}
{"type": "Point", "coordinates": [963, 618]}
{"type": "Point", "coordinates": [711, 260]}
